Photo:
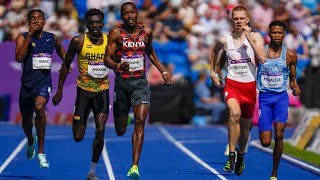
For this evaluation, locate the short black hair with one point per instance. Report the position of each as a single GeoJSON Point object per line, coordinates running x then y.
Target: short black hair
{"type": "Point", "coordinates": [277, 23]}
{"type": "Point", "coordinates": [92, 12]}
{"type": "Point", "coordinates": [127, 3]}
{"type": "Point", "coordinates": [28, 16]}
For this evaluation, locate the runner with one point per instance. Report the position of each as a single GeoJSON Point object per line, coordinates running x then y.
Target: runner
{"type": "Point", "coordinates": [92, 83]}
{"type": "Point", "coordinates": [125, 54]}
{"type": "Point", "coordinates": [34, 51]}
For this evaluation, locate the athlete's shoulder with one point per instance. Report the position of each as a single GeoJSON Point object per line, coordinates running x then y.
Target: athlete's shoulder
{"type": "Point", "coordinates": [223, 39]}
{"type": "Point", "coordinates": [78, 38]}
{"type": "Point", "coordinates": [292, 55]}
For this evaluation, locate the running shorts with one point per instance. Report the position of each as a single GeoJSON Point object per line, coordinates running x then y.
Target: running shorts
{"type": "Point", "coordinates": [273, 106]}
{"type": "Point", "coordinates": [244, 93]}
{"type": "Point", "coordinates": [86, 100]}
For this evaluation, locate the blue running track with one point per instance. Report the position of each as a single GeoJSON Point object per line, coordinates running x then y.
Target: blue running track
{"type": "Point", "coordinates": [169, 153]}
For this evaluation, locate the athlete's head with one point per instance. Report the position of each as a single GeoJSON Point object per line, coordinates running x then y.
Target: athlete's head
{"type": "Point", "coordinates": [94, 21]}
{"type": "Point", "coordinates": [36, 17]}
{"type": "Point", "coordinates": [129, 13]}
{"type": "Point", "coordinates": [277, 31]}
{"type": "Point", "coordinates": [239, 17]}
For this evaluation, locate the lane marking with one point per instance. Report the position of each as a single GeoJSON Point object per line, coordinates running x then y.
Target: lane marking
{"type": "Point", "coordinates": [202, 141]}
{"type": "Point", "coordinates": [107, 162]}
{"type": "Point", "coordinates": [256, 144]}
{"type": "Point", "coordinates": [13, 154]}
{"type": "Point", "coordinates": [189, 153]}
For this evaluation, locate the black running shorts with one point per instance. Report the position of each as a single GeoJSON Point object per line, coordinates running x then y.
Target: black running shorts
{"type": "Point", "coordinates": [86, 100]}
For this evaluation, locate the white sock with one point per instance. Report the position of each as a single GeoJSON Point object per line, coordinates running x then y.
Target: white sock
{"type": "Point", "coordinates": [93, 167]}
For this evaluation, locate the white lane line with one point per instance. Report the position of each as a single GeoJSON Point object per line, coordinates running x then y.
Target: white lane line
{"type": "Point", "coordinates": [107, 162]}
{"type": "Point", "coordinates": [294, 161]}
{"type": "Point", "coordinates": [202, 141]}
{"type": "Point", "coordinates": [13, 154]}
{"type": "Point", "coordinates": [189, 153]}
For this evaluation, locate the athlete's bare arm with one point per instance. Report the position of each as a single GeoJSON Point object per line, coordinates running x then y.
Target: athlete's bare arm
{"type": "Point", "coordinates": [59, 48]}
{"type": "Point", "coordinates": [75, 47]}
{"type": "Point", "coordinates": [256, 41]}
{"type": "Point", "coordinates": [154, 58]}
{"type": "Point", "coordinates": [23, 43]}
{"type": "Point", "coordinates": [110, 52]}
{"type": "Point", "coordinates": [22, 47]}
{"type": "Point", "coordinates": [292, 63]}
{"type": "Point", "coordinates": [217, 60]}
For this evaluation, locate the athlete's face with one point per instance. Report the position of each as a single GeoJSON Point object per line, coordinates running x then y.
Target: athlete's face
{"type": "Point", "coordinates": [239, 20]}
{"type": "Point", "coordinates": [276, 34]}
{"type": "Point", "coordinates": [129, 15]}
{"type": "Point", "coordinates": [37, 21]}
{"type": "Point", "coordinates": [95, 25]}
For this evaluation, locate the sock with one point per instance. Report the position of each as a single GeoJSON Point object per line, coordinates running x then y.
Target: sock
{"type": "Point", "coordinates": [232, 156]}
{"type": "Point", "coordinates": [93, 167]}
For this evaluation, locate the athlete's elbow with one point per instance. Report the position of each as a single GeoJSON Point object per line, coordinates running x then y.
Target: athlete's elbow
{"type": "Point", "coordinates": [263, 60]}
{"type": "Point", "coordinates": [19, 58]}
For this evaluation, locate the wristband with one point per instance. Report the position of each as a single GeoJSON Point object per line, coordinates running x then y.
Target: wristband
{"type": "Point", "coordinates": [164, 73]}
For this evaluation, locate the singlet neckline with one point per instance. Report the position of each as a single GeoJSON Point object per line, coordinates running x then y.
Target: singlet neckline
{"type": "Point", "coordinates": [88, 37]}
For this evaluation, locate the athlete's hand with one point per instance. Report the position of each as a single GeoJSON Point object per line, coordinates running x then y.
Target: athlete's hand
{"type": "Point", "coordinates": [33, 28]}
{"type": "Point", "coordinates": [247, 31]}
{"type": "Point", "coordinates": [295, 89]}
{"type": "Point", "coordinates": [124, 66]}
{"type": "Point", "coordinates": [216, 79]}
{"type": "Point", "coordinates": [167, 79]}
{"type": "Point", "coordinates": [57, 98]}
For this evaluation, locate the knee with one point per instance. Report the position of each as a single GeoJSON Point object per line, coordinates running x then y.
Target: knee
{"type": "Point", "coordinates": [278, 137]}
{"type": "Point", "coordinates": [121, 131]}
{"type": "Point", "coordinates": [139, 123]}
{"type": "Point", "coordinates": [39, 107]}
{"type": "Point", "coordinates": [99, 133]}
{"type": "Point", "coordinates": [235, 115]}
{"type": "Point", "coordinates": [265, 142]}
{"type": "Point", "coordinates": [77, 137]}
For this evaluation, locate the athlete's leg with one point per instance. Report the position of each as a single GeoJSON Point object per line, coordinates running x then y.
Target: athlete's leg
{"type": "Point", "coordinates": [280, 114]}
{"type": "Point", "coordinates": [26, 106]}
{"type": "Point", "coordinates": [100, 107]}
{"type": "Point", "coordinates": [233, 131]}
{"type": "Point", "coordinates": [278, 147]}
{"type": "Point", "coordinates": [81, 114]}
{"type": "Point", "coordinates": [265, 119]}
{"type": "Point", "coordinates": [40, 121]}
{"type": "Point", "coordinates": [140, 114]}
{"type": "Point", "coordinates": [233, 123]}
{"type": "Point", "coordinates": [27, 125]}
{"type": "Point", "coordinates": [242, 142]}
{"type": "Point", "coordinates": [244, 134]}
{"type": "Point", "coordinates": [121, 107]}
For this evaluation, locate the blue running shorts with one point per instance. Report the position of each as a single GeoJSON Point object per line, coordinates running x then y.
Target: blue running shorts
{"type": "Point", "coordinates": [273, 107]}
{"type": "Point", "coordinates": [27, 97]}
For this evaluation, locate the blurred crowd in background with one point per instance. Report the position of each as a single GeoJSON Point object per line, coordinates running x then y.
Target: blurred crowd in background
{"type": "Point", "coordinates": [184, 33]}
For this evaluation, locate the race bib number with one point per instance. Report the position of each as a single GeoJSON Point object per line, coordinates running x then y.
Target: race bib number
{"type": "Point", "coordinates": [272, 81]}
{"type": "Point", "coordinates": [97, 70]}
{"type": "Point", "coordinates": [240, 69]}
{"type": "Point", "coordinates": [135, 64]}
{"type": "Point", "coordinates": [41, 61]}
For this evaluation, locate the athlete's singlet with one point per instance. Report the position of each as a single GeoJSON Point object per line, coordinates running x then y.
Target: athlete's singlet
{"type": "Point", "coordinates": [273, 74]}
{"type": "Point", "coordinates": [131, 49]}
{"type": "Point", "coordinates": [241, 61]}
{"type": "Point", "coordinates": [37, 63]}
{"type": "Point", "coordinates": [93, 73]}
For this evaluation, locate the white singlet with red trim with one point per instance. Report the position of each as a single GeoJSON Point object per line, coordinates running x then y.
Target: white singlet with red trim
{"type": "Point", "coordinates": [241, 61]}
